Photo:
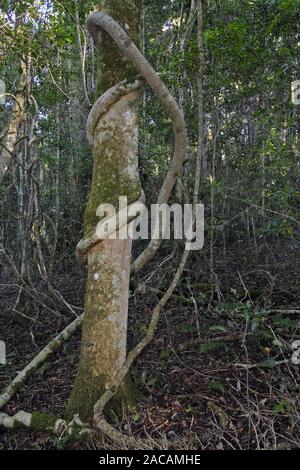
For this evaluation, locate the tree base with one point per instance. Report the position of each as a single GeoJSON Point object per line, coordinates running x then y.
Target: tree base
{"type": "Point", "coordinates": [83, 400]}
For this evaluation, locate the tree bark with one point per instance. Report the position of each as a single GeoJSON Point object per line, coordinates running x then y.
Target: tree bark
{"type": "Point", "coordinates": [18, 116]}
{"type": "Point", "coordinates": [200, 79]}
{"type": "Point", "coordinates": [115, 141]}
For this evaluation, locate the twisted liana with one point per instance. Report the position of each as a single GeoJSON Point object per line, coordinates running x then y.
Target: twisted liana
{"type": "Point", "coordinates": [97, 23]}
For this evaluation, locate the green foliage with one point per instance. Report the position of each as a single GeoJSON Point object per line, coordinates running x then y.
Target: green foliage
{"type": "Point", "coordinates": [283, 407]}
{"type": "Point", "coordinates": [60, 442]}
{"type": "Point", "coordinates": [217, 387]}
{"type": "Point", "coordinates": [221, 328]}
{"type": "Point", "coordinates": [212, 346]}
{"type": "Point", "coordinates": [165, 353]}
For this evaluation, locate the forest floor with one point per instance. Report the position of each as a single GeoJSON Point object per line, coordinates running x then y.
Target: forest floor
{"type": "Point", "coordinates": [218, 374]}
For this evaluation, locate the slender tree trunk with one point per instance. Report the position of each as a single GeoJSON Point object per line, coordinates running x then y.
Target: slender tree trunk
{"type": "Point", "coordinates": [200, 78]}
{"type": "Point", "coordinates": [215, 133]}
{"type": "Point", "coordinates": [104, 336]}
{"type": "Point", "coordinates": [82, 45]}
{"type": "Point", "coordinates": [18, 116]}
{"type": "Point", "coordinates": [184, 83]}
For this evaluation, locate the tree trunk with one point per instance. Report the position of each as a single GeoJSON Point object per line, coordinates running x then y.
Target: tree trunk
{"type": "Point", "coordinates": [104, 336]}
{"type": "Point", "coordinates": [20, 105]}
{"type": "Point", "coordinates": [17, 118]}
{"type": "Point", "coordinates": [200, 79]}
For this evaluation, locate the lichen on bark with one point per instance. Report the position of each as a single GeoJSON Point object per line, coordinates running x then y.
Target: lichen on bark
{"type": "Point", "coordinates": [103, 349]}
{"type": "Point", "coordinates": [115, 159]}
{"type": "Point", "coordinates": [115, 173]}
{"type": "Point", "coordinates": [112, 65]}
{"type": "Point", "coordinates": [43, 422]}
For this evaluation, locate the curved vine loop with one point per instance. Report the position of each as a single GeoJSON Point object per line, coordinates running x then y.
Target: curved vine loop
{"type": "Point", "coordinates": [97, 23]}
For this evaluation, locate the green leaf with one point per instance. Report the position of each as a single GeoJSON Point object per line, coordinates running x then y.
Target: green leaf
{"type": "Point", "coordinates": [217, 386]}
{"type": "Point", "coordinates": [283, 407]}
{"type": "Point", "coordinates": [211, 346]}
{"type": "Point", "coordinates": [136, 417]}
{"type": "Point", "coordinates": [219, 328]}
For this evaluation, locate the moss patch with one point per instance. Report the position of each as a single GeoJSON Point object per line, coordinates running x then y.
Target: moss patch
{"type": "Point", "coordinates": [43, 421]}
{"type": "Point", "coordinates": [115, 170]}
{"type": "Point", "coordinates": [89, 392]}
{"type": "Point", "coordinates": [111, 64]}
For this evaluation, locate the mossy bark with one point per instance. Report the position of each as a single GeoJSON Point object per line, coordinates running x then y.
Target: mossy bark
{"type": "Point", "coordinates": [103, 349]}
{"type": "Point", "coordinates": [115, 174]}
{"type": "Point", "coordinates": [115, 160]}
{"type": "Point", "coordinates": [43, 422]}
{"type": "Point", "coordinates": [112, 65]}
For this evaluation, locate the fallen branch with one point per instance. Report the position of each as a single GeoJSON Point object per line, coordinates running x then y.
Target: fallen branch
{"type": "Point", "coordinates": [56, 425]}
{"type": "Point", "coordinates": [45, 423]}
{"type": "Point", "coordinates": [286, 312]}
{"type": "Point", "coordinates": [15, 385]}
{"type": "Point", "coordinates": [260, 364]}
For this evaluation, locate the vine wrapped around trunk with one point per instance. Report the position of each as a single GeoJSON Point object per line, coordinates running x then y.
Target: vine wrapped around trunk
{"type": "Point", "coordinates": [112, 129]}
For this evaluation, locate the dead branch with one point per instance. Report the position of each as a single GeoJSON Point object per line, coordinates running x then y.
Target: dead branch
{"type": "Point", "coordinates": [19, 380]}
{"type": "Point", "coordinates": [44, 422]}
